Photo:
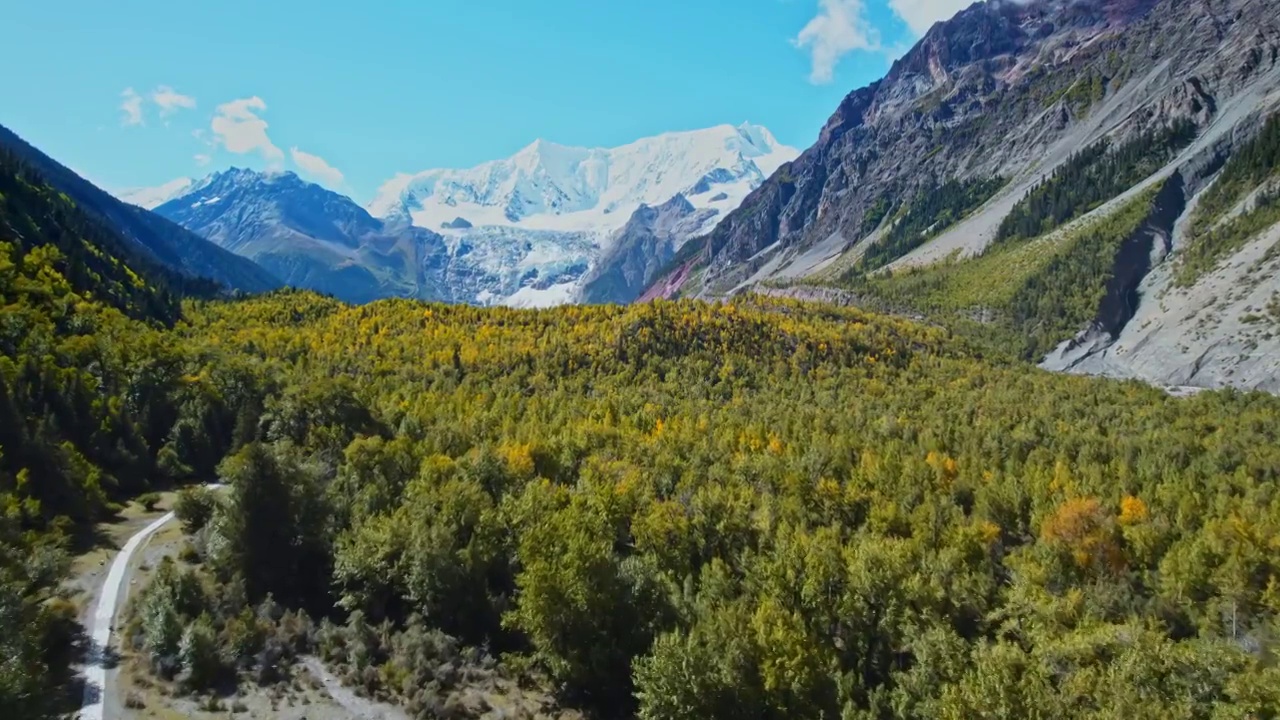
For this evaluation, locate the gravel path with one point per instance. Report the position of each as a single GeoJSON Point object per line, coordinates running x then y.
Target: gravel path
{"type": "Point", "coordinates": [95, 669]}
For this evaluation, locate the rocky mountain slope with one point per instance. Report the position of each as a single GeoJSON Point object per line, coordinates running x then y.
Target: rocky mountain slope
{"type": "Point", "coordinates": [523, 231]}
{"type": "Point", "coordinates": [1021, 128]}
{"type": "Point", "coordinates": [311, 237]}
{"type": "Point", "coordinates": [643, 246]}
{"type": "Point", "coordinates": [314, 238]}
{"type": "Point", "coordinates": [161, 240]}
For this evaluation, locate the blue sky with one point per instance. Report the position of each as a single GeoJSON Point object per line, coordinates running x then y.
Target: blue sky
{"type": "Point", "coordinates": [139, 92]}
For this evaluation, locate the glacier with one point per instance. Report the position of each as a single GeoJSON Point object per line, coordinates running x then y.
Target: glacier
{"type": "Point", "coordinates": [548, 190]}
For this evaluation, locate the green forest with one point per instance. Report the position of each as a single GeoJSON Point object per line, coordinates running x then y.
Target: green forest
{"type": "Point", "coordinates": [1019, 298]}
{"type": "Point", "coordinates": [934, 209]}
{"type": "Point", "coordinates": [1090, 178]}
{"type": "Point", "coordinates": [1215, 232]}
{"type": "Point", "coordinates": [750, 509]}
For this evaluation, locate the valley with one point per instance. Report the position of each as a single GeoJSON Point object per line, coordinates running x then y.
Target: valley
{"type": "Point", "coordinates": [971, 409]}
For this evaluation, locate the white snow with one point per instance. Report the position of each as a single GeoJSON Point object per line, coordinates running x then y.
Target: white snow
{"type": "Point", "coordinates": [531, 297]}
{"type": "Point", "coordinates": [210, 201]}
{"type": "Point", "coordinates": [547, 186]}
{"type": "Point", "coordinates": [551, 209]}
{"type": "Point", "coordinates": [153, 197]}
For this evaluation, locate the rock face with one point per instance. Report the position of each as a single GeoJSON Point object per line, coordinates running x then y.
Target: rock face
{"type": "Point", "coordinates": [643, 247]}
{"type": "Point", "coordinates": [1223, 330]}
{"type": "Point", "coordinates": [311, 237]}
{"type": "Point", "coordinates": [1013, 89]}
{"type": "Point", "coordinates": [1003, 88]}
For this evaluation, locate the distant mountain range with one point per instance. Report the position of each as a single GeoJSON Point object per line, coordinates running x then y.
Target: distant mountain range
{"type": "Point", "coordinates": [1090, 184]}
{"type": "Point", "coordinates": [529, 230]}
{"type": "Point", "coordinates": [550, 186]}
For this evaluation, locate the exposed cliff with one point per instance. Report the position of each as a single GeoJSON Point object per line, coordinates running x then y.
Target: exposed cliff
{"type": "Point", "coordinates": [1074, 110]}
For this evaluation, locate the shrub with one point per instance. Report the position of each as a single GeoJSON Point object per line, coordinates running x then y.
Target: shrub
{"type": "Point", "coordinates": [194, 507]}
{"type": "Point", "coordinates": [243, 637]}
{"type": "Point", "coordinates": [149, 500]}
{"type": "Point", "coordinates": [198, 652]}
{"type": "Point", "coordinates": [188, 554]}
{"type": "Point", "coordinates": [161, 626]}
{"type": "Point", "coordinates": [60, 624]}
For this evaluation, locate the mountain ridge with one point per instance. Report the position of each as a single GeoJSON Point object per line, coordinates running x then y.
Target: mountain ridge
{"type": "Point", "coordinates": [540, 220]}
{"type": "Point", "coordinates": [1015, 96]}
{"type": "Point", "coordinates": [587, 184]}
{"type": "Point", "coordinates": [170, 244]}
{"type": "Point", "coordinates": [306, 234]}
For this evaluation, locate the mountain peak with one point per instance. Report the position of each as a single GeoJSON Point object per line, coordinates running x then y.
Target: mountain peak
{"type": "Point", "coordinates": [758, 135]}
{"type": "Point", "coordinates": [551, 186]}
{"type": "Point", "coordinates": [249, 175]}
{"type": "Point", "coordinates": [542, 146]}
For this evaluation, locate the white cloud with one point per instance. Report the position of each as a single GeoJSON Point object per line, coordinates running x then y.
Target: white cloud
{"type": "Point", "coordinates": [316, 166]}
{"type": "Point", "coordinates": [202, 159]}
{"type": "Point", "coordinates": [920, 15]}
{"type": "Point", "coordinates": [131, 106]}
{"type": "Point", "coordinates": [170, 101]}
{"type": "Point", "coordinates": [838, 29]}
{"type": "Point", "coordinates": [237, 127]}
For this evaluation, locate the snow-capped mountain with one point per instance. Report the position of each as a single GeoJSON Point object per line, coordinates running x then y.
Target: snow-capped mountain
{"type": "Point", "coordinates": [311, 237]}
{"type": "Point", "coordinates": [523, 231]}
{"type": "Point", "coordinates": [149, 198]}
{"type": "Point", "coordinates": [548, 191]}
{"type": "Point", "coordinates": [547, 186]}
{"type": "Point", "coordinates": [315, 238]}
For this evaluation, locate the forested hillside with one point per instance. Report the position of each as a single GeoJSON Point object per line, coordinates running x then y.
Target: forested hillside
{"type": "Point", "coordinates": [165, 243]}
{"type": "Point", "coordinates": [90, 389]}
{"type": "Point", "coordinates": [762, 509]}
{"type": "Point", "coordinates": [753, 509]}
